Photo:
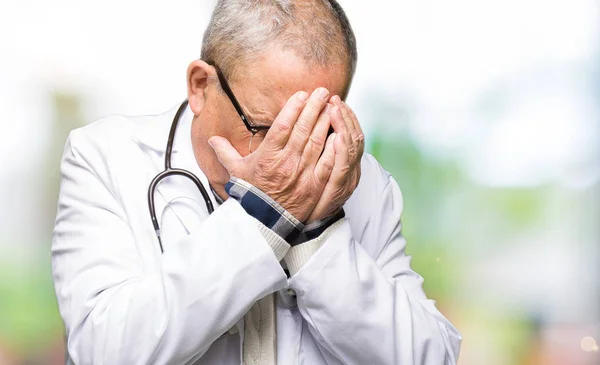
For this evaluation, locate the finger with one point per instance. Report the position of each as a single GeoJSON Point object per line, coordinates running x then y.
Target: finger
{"type": "Point", "coordinates": [342, 122]}
{"type": "Point", "coordinates": [342, 161]}
{"type": "Point", "coordinates": [345, 171]}
{"type": "Point", "coordinates": [326, 162]}
{"type": "Point", "coordinates": [338, 123]}
{"type": "Point", "coordinates": [355, 121]}
{"type": "Point", "coordinates": [307, 119]}
{"type": "Point", "coordinates": [354, 137]}
{"type": "Point", "coordinates": [360, 136]}
{"type": "Point", "coordinates": [347, 116]}
{"type": "Point", "coordinates": [280, 131]}
{"type": "Point", "coordinates": [318, 137]}
{"type": "Point", "coordinates": [341, 166]}
{"type": "Point", "coordinates": [225, 152]}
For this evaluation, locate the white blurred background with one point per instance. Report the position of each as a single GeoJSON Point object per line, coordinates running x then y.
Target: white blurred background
{"type": "Point", "coordinates": [486, 112]}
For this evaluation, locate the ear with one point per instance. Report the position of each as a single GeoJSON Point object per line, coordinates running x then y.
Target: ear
{"type": "Point", "coordinates": [198, 73]}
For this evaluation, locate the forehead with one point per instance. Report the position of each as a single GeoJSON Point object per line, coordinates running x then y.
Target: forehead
{"type": "Point", "coordinates": [264, 85]}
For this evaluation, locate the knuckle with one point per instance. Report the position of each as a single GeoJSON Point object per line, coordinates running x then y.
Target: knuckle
{"type": "Point", "coordinates": [321, 180]}
{"type": "Point", "coordinates": [352, 114]}
{"type": "Point", "coordinates": [316, 140]}
{"type": "Point", "coordinates": [327, 165]}
{"type": "Point", "coordinates": [345, 169]}
{"type": "Point", "coordinates": [352, 150]}
{"type": "Point", "coordinates": [302, 126]}
{"type": "Point", "coordinates": [282, 125]}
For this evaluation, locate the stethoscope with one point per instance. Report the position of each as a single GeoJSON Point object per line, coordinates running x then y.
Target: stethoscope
{"type": "Point", "coordinates": [169, 171]}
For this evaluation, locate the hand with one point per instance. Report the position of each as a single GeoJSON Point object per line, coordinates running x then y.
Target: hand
{"type": "Point", "coordinates": [288, 165]}
{"type": "Point", "coordinates": [349, 147]}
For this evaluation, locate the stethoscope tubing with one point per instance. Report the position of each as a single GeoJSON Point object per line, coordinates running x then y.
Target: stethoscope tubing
{"type": "Point", "coordinates": [169, 171]}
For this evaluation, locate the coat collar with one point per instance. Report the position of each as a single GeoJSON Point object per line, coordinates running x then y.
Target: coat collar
{"type": "Point", "coordinates": [153, 131]}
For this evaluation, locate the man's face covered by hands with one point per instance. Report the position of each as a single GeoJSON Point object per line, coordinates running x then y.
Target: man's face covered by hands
{"type": "Point", "coordinates": [295, 162]}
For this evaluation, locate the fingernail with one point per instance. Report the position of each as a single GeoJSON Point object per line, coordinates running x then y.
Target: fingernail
{"type": "Point", "coordinates": [339, 112]}
{"type": "Point", "coordinates": [303, 95]}
{"type": "Point", "coordinates": [323, 93]}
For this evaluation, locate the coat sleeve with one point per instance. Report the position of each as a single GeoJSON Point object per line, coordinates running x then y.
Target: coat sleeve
{"type": "Point", "coordinates": [369, 307]}
{"type": "Point", "coordinates": [119, 309]}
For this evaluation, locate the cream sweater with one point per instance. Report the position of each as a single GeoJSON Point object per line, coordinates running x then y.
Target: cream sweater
{"type": "Point", "coordinates": [260, 326]}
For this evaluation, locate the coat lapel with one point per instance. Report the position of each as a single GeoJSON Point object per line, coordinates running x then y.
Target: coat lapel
{"type": "Point", "coordinates": [179, 205]}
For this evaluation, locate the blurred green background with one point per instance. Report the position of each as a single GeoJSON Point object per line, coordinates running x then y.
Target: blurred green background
{"type": "Point", "coordinates": [487, 114]}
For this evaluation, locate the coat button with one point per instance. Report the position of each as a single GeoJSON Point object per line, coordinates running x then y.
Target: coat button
{"type": "Point", "coordinates": [291, 292]}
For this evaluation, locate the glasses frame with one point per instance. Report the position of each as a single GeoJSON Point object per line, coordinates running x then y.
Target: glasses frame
{"type": "Point", "coordinates": [252, 128]}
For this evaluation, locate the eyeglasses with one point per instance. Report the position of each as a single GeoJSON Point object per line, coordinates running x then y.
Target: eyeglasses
{"type": "Point", "coordinates": [252, 128]}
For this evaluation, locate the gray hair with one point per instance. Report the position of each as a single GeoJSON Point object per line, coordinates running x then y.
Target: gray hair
{"type": "Point", "coordinates": [316, 30]}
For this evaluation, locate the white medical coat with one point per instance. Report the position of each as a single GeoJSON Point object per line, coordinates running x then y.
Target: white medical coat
{"type": "Point", "coordinates": [123, 302]}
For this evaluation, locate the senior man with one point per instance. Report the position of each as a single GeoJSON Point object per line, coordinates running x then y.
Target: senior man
{"type": "Point", "coordinates": [302, 260]}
